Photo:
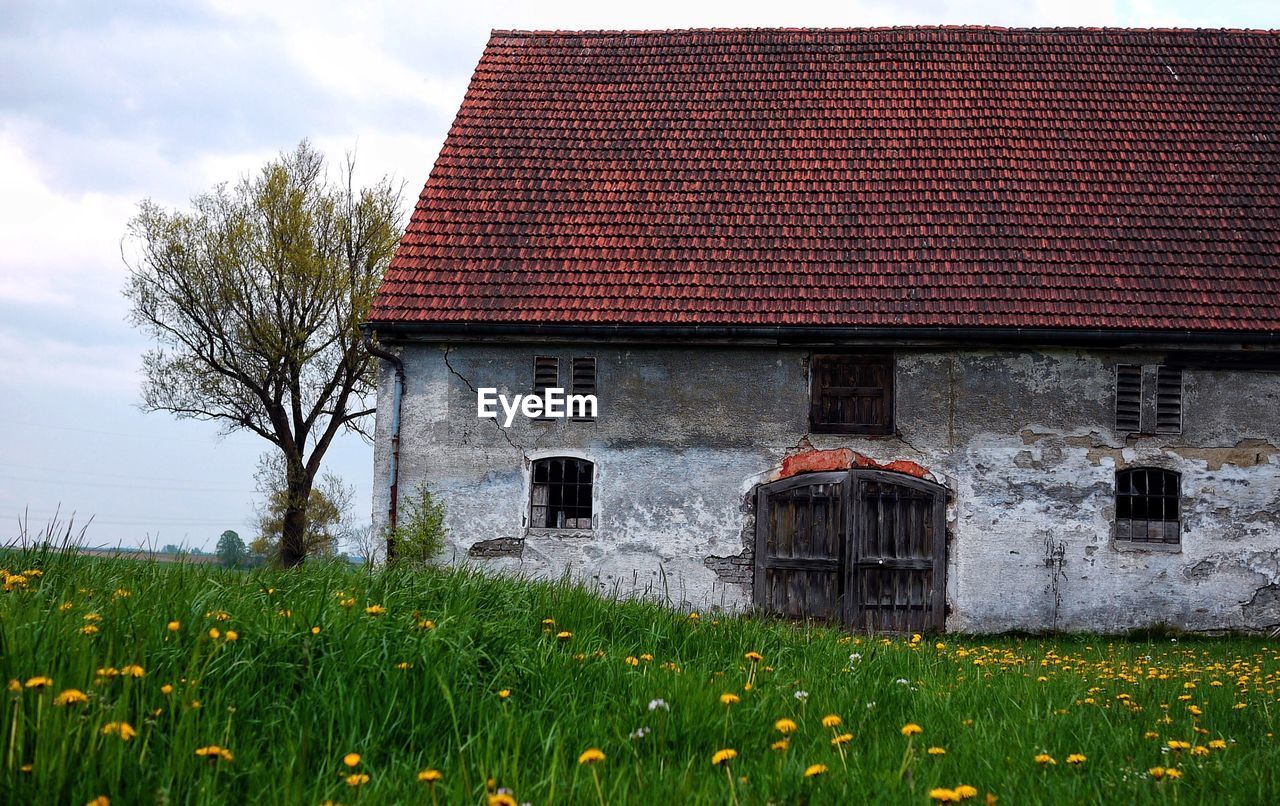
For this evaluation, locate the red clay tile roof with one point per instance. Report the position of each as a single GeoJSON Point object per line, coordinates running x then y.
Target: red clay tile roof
{"type": "Point", "coordinates": [1094, 179]}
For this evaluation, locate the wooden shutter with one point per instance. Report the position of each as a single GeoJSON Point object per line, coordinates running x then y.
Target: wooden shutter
{"type": "Point", "coordinates": [546, 373]}
{"type": "Point", "coordinates": [1168, 400]}
{"type": "Point", "coordinates": [584, 379]}
{"type": "Point", "coordinates": [1128, 398]}
{"type": "Point", "coordinates": [851, 394]}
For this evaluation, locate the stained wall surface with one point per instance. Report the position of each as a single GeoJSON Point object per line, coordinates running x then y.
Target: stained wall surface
{"type": "Point", "coordinates": [1023, 440]}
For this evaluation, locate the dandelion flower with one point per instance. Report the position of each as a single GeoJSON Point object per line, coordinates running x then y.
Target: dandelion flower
{"type": "Point", "coordinates": [814, 769]}
{"type": "Point", "coordinates": [832, 721]}
{"type": "Point", "coordinates": [564, 635]}
{"type": "Point", "coordinates": [356, 780]}
{"type": "Point", "coordinates": [911, 729]}
{"type": "Point", "coordinates": [1173, 773]}
{"type": "Point", "coordinates": [591, 755]}
{"type": "Point", "coordinates": [502, 799]}
{"type": "Point", "coordinates": [39, 682]}
{"type": "Point", "coordinates": [729, 699]}
{"type": "Point", "coordinates": [785, 726]}
{"type": "Point", "coordinates": [351, 759]}
{"type": "Point", "coordinates": [1175, 744]}
{"type": "Point", "coordinates": [1077, 758]}
{"type": "Point", "coordinates": [965, 791]}
{"type": "Point", "coordinates": [315, 630]}
{"type": "Point", "coordinates": [166, 689]}
{"type": "Point", "coordinates": [132, 670]}
{"type": "Point", "coordinates": [71, 696]}
{"type": "Point", "coordinates": [781, 745]}
{"type": "Point", "coordinates": [942, 795]}
{"type": "Point", "coordinates": [214, 633]}
{"type": "Point", "coordinates": [754, 657]}
{"type": "Point", "coordinates": [375, 610]}
{"type": "Point", "coordinates": [1045, 760]}
{"type": "Point", "coordinates": [101, 800]}
{"type": "Point", "coordinates": [721, 756]}
{"type": "Point", "coordinates": [843, 738]}
{"type": "Point", "coordinates": [430, 776]}
{"type": "Point", "coordinates": [174, 626]}
{"type": "Point", "coordinates": [232, 635]}
{"type": "Point", "coordinates": [1218, 744]}
{"type": "Point", "coordinates": [215, 753]}
{"type": "Point", "coordinates": [89, 629]}
{"type": "Point", "coordinates": [937, 751]}
{"type": "Point", "coordinates": [505, 693]}
{"type": "Point", "coordinates": [1199, 750]}
{"type": "Point", "coordinates": [122, 729]}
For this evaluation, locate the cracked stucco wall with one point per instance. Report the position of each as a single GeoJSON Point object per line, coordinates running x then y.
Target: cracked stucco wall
{"type": "Point", "coordinates": [1023, 441]}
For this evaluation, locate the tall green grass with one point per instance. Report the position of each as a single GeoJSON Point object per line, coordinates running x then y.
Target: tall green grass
{"type": "Point", "coordinates": [290, 704]}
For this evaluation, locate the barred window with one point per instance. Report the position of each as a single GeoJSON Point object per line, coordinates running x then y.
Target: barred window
{"type": "Point", "coordinates": [1148, 505]}
{"type": "Point", "coordinates": [851, 394]}
{"type": "Point", "coordinates": [561, 493]}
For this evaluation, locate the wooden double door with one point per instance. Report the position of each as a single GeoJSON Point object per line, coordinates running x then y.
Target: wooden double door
{"type": "Point", "coordinates": [866, 548]}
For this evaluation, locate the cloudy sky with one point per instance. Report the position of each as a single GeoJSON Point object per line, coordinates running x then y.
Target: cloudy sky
{"type": "Point", "coordinates": [105, 104]}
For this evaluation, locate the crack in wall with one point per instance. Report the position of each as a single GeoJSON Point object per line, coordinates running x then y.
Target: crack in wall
{"type": "Point", "coordinates": [472, 387]}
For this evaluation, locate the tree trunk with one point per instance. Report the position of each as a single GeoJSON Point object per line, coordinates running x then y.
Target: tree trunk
{"type": "Point", "coordinates": [293, 531]}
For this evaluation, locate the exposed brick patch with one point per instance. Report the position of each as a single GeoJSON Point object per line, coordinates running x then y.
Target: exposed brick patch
{"type": "Point", "coordinates": [498, 547]}
{"type": "Point", "coordinates": [813, 461]}
{"type": "Point", "coordinates": [734, 569]}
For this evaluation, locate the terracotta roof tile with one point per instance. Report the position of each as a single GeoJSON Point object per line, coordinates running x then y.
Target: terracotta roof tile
{"type": "Point", "coordinates": [1067, 178]}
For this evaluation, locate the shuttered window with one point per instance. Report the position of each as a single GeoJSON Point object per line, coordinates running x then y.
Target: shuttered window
{"type": "Point", "coordinates": [584, 379]}
{"type": "Point", "coordinates": [1148, 505]}
{"type": "Point", "coordinates": [561, 493]}
{"type": "Point", "coordinates": [546, 373]}
{"type": "Point", "coordinates": [851, 394]}
{"type": "Point", "coordinates": [1168, 400]}
{"type": "Point", "coordinates": [1128, 398]}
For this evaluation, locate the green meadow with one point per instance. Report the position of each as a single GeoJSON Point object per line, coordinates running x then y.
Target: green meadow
{"type": "Point", "coordinates": [146, 683]}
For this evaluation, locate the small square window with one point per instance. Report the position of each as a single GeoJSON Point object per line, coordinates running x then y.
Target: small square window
{"type": "Point", "coordinates": [851, 394]}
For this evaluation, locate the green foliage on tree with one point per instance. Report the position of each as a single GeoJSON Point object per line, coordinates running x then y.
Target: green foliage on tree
{"type": "Point", "coordinates": [330, 500]}
{"type": "Point", "coordinates": [231, 550]}
{"type": "Point", "coordinates": [420, 532]}
{"type": "Point", "coordinates": [253, 300]}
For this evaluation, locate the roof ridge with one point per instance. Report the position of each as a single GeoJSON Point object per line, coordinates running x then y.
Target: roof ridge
{"type": "Point", "coordinates": [645, 32]}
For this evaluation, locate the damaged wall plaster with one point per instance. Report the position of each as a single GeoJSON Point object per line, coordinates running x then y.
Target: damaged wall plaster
{"type": "Point", "coordinates": [1022, 440]}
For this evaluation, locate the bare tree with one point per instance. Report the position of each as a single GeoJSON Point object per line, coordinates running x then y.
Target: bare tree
{"type": "Point", "coordinates": [368, 543]}
{"type": "Point", "coordinates": [253, 299]}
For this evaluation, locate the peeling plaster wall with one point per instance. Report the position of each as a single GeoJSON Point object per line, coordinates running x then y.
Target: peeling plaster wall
{"type": "Point", "coordinates": [1022, 439]}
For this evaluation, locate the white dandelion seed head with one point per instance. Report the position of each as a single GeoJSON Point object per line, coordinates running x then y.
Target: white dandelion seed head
{"type": "Point", "coordinates": [659, 703]}
{"type": "Point", "coordinates": [802, 695]}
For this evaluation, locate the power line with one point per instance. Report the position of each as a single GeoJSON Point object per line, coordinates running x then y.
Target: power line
{"type": "Point", "coordinates": [75, 483]}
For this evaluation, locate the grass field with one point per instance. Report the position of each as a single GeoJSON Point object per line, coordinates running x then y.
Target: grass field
{"type": "Point", "coordinates": [501, 685]}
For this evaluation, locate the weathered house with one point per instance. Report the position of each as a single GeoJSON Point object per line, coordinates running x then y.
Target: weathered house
{"type": "Point", "coordinates": [911, 328]}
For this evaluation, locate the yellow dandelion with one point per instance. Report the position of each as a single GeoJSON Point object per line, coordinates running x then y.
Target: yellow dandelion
{"type": "Point", "coordinates": [215, 633]}
{"type": "Point", "coordinates": [937, 751]}
{"type": "Point", "coordinates": [90, 629]}
{"type": "Point", "coordinates": [911, 729]}
{"type": "Point", "coordinates": [39, 682]}
{"type": "Point", "coordinates": [315, 630]}
{"type": "Point", "coordinates": [430, 776]}
{"type": "Point", "coordinates": [402, 665]}
{"type": "Point", "coordinates": [14, 685]}
{"type": "Point", "coordinates": [784, 726]}
{"type": "Point", "coordinates": [426, 624]}
{"type": "Point", "coordinates": [232, 635]}
{"type": "Point", "coordinates": [64, 607]}
{"type": "Point", "coordinates": [351, 759]}
{"type": "Point", "coordinates": [502, 799]}
{"type": "Point", "coordinates": [754, 657]}
{"type": "Point", "coordinates": [1173, 773]}
{"type": "Point", "coordinates": [965, 792]}
{"type": "Point", "coordinates": [505, 693]}
{"type": "Point", "coordinates": [1175, 745]}
{"type": "Point", "coordinates": [166, 689]}
{"type": "Point", "coordinates": [729, 699]}
{"type": "Point", "coordinates": [71, 696]}
{"type": "Point", "coordinates": [832, 721]}
{"type": "Point", "coordinates": [132, 670]}
{"type": "Point", "coordinates": [723, 756]}
{"type": "Point", "coordinates": [357, 780]}
{"type": "Point", "coordinates": [93, 617]}
{"type": "Point", "coordinates": [781, 745]}
{"type": "Point", "coordinates": [215, 753]}
{"type": "Point", "coordinates": [174, 626]}
{"type": "Point", "coordinates": [564, 635]}
{"type": "Point", "coordinates": [632, 661]}
{"type": "Point", "coordinates": [943, 795]}
{"type": "Point", "coordinates": [1218, 744]}
{"type": "Point", "coordinates": [843, 738]}
{"type": "Point", "coordinates": [101, 800]}
{"type": "Point", "coordinates": [122, 729]}
{"type": "Point", "coordinates": [591, 755]}
{"type": "Point", "coordinates": [814, 769]}
{"type": "Point", "coordinates": [375, 610]}
{"type": "Point", "coordinates": [1045, 760]}
{"type": "Point", "coordinates": [1077, 759]}
{"type": "Point", "coordinates": [1199, 750]}
{"type": "Point", "coordinates": [694, 616]}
